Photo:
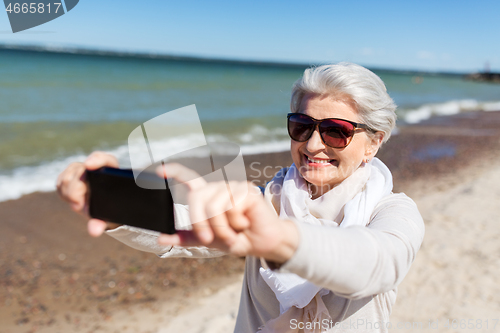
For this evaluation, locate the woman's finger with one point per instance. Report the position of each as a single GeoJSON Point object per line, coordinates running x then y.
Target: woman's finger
{"type": "Point", "coordinates": [181, 175]}
{"type": "Point", "coordinates": [238, 216]}
{"type": "Point", "coordinates": [61, 179]}
{"type": "Point", "coordinates": [70, 186]}
{"type": "Point", "coordinates": [197, 201]}
{"type": "Point", "coordinates": [96, 227]}
{"type": "Point", "coordinates": [218, 205]}
{"type": "Point", "coordinates": [75, 194]}
{"type": "Point", "coordinates": [67, 176]}
{"type": "Point", "coordinates": [100, 159]}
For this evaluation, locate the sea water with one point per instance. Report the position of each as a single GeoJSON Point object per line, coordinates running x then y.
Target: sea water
{"type": "Point", "coordinates": [55, 108]}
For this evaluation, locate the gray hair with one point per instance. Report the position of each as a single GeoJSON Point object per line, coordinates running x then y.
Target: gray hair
{"type": "Point", "coordinates": [356, 84]}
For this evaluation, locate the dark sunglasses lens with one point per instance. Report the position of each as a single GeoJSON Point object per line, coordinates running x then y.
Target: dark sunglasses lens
{"type": "Point", "coordinates": [336, 133]}
{"type": "Point", "coordinates": [300, 127]}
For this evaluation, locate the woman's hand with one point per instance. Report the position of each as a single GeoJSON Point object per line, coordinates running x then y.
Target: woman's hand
{"type": "Point", "coordinates": [72, 188]}
{"type": "Point", "coordinates": [250, 228]}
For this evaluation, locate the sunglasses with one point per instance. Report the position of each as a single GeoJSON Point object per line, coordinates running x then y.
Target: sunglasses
{"type": "Point", "coordinates": [335, 133]}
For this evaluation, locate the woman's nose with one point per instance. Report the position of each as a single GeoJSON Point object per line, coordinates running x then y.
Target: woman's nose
{"type": "Point", "coordinates": [315, 143]}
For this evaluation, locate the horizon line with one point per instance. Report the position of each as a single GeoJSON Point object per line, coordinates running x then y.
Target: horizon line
{"type": "Point", "coordinates": [68, 50]}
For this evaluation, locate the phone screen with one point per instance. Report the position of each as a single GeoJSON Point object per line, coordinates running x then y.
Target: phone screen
{"type": "Point", "coordinates": [115, 197]}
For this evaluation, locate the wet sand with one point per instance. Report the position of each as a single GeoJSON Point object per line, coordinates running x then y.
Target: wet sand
{"type": "Point", "coordinates": [56, 278]}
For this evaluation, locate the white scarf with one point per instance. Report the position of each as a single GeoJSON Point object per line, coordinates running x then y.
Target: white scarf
{"type": "Point", "coordinates": [350, 203]}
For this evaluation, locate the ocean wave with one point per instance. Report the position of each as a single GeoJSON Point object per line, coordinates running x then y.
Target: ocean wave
{"type": "Point", "coordinates": [42, 178]}
{"type": "Point", "coordinates": [256, 140]}
{"type": "Point", "coordinates": [449, 108]}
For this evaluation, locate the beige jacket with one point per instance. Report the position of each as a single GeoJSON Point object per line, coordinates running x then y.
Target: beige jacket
{"type": "Point", "coordinates": [361, 266]}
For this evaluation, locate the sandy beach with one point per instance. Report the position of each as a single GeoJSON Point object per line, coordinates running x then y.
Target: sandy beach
{"type": "Point", "coordinates": [56, 278]}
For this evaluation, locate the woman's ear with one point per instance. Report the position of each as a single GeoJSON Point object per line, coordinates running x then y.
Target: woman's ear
{"type": "Point", "coordinates": [373, 144]}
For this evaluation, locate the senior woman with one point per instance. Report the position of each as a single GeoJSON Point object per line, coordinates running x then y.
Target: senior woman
{"type": "Point", "coordinates": [328, 244]}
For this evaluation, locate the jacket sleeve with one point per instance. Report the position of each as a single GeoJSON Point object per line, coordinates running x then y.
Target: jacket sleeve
{"type": "Point", "coordinates": [357, 262]}
{"type": "Point", "coordinates": [147, 240]}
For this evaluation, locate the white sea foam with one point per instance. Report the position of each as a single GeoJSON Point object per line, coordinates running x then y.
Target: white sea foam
{"type": "Point", "coordinates": [42, 178]}
{"type": "Point", "coordinates": [447, 109]}
{"type": "Point", "coordinates": [25, 180]}
{"type": "Point", "coordinates": [491, 106]}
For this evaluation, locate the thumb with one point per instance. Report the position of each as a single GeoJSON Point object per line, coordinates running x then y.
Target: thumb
{"type": "Point", "coordinates": [181, 174]}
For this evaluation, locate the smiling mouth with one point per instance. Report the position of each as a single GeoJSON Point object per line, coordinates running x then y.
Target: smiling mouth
{"type": "Point", "coordinates": [325, 162]}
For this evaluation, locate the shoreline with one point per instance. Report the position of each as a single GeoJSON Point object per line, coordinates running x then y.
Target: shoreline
{"type": "Point", "coordinates": [24, 179]}
{"type": "Point", "coordinates": [57, 278]}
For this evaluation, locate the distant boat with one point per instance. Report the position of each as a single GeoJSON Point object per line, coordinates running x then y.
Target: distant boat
{"type": "Point", "coordinates": [484, 77]}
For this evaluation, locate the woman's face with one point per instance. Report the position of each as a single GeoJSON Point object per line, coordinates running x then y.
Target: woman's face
{"type": "Point", "coordinates": [322, 166]}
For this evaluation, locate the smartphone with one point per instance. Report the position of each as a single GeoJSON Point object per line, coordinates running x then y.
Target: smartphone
{"type": "Point", "coordinates": [114, 196]}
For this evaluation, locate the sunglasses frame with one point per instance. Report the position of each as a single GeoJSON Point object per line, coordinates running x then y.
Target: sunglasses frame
{"type": "Point", "coordinates": [317, 123]}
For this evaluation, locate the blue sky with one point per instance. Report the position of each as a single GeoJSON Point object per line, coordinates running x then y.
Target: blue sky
{"type": "Point", "coordinates": [429, 35]}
